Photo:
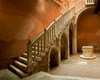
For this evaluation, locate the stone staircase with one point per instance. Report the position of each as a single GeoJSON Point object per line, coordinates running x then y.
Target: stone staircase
{"type": "Point", "coordinates": [20, 66]}
{"type": "Point", "coordinates": [37, 49]}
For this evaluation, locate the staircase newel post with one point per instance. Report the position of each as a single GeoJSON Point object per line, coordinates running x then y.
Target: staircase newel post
{"type": "Point", "coordinates": [29, 56]}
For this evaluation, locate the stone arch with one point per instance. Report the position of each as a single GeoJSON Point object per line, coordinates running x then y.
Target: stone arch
{"type": "Point", "coordinates": [88, 34]}
{"type": "Point", "coordinates": [83, 12]}
{"type": "Point", "coordinates": [54, 57]}
{"type": "Point", "coordinates": [75, 29]}
{"type": "Point", "coordinates": [71, 38]}
{"type": "Point", "coordinates": [64, 46]}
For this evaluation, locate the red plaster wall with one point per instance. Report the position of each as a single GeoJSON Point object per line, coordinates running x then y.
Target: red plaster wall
{"type": "Point", "coordinates": [22, 19]}
{"type": "Point", "coordinates": [88, 29]}
{"type": "Point", "coordinates": [15, 25]}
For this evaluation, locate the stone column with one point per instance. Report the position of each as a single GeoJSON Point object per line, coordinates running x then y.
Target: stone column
{"type": "Point", "coordinates": [74, 39]}
{"type": "Point", "coordinates": [68, 45]}
{"type": "Point", "coordinates": [59, 49]}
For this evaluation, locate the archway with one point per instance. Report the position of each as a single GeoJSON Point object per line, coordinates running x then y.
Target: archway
{"type": "Point", "coordinates": [88, 30]}
{"type": "Point", "coordinates": [64, 47]}
{"type": "Point", "coordinates": [71, 42]}
{"type": "Point", "coordinates": [54, 57]}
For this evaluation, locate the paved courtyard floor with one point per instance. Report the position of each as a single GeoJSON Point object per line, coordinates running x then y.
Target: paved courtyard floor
{"type": "Point", "coordinates": [8, 75]}
{"type": "Point", "coordinates": [74, 68]}
{"type": "Point", "coordinates": [78, 67]}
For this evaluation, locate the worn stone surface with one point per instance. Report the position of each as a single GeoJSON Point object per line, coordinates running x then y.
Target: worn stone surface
{"type": "Point", "coordinates": [75, 66]}
{"type": "Point", "coordinates": [7, 75]}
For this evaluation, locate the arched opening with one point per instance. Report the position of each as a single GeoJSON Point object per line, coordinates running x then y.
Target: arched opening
{"type": "Point", "coordinates": [71, 38]}
{"type": "Point", "coordinates": [64, 47]}
{"type": "Point", "coordinates": [54, 58]}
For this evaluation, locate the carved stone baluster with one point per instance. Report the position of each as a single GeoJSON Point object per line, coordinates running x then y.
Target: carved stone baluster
{"type": "Point", "coordinates": [54, 30]}
{"type": "Point", "coordinates": [58, 27]}
{"type": "Point", "coordinates": [61, 21]}
{"type": "Point", "coordinates": [60, 24]}
{"type": "Point", "coordinates": [41, 46]}
{"type": "Point", "coordinates": [35, 52]}
{"type": "Point", "coordinates": [50, 35]}
{"type": "Point", "coordinates": [86, 1]}
{"type": "Point", "coordinates": [38, 48]}
{"type": "Point", "coordinates": [64, 20]}
{"type": "Point", "coordinates": [45, 39]}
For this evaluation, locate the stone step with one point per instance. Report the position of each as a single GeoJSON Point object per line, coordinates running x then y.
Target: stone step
{"type": "Point", "coordinates": [21, 66]}
{"type": "Point", "coordinates": [24, 60]}
{"type": "Point", "coordinates": [37, 58]}
{"type": "Point", "coordinates": [24, 55]}
{"type": "Point", "coordinates": [17, 71]}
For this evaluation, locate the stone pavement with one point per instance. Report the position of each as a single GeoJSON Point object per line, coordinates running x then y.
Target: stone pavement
{"type": "Point", "coordinates": [78, 67]}
{"type": "Point", "coordinates": [74, 68]}
{"type": "Point", "coordinates": [8, 75]}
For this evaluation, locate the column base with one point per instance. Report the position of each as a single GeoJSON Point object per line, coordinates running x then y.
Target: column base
{"type": "Point", "coordinates": [83, 57]}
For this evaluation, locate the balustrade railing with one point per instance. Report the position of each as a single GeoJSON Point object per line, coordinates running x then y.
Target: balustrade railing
{"type": "Point", "coordinates": [79, 5]}
{"type": "Point", "coordinates": [50, 34]}
{"type": "Point", "coordinates": [89, 2]}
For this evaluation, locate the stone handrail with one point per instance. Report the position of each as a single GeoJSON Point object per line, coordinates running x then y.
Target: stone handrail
{"type": "Point", "coordinates": [52, 32]}
{"type": "Point", "coordinates": [46, 38]}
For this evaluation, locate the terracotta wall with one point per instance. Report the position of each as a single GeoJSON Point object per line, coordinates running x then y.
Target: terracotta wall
{"type": "Point", "coordinates": [21, 20]}
{"type": "Point", "coordinates": [89, 30]}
